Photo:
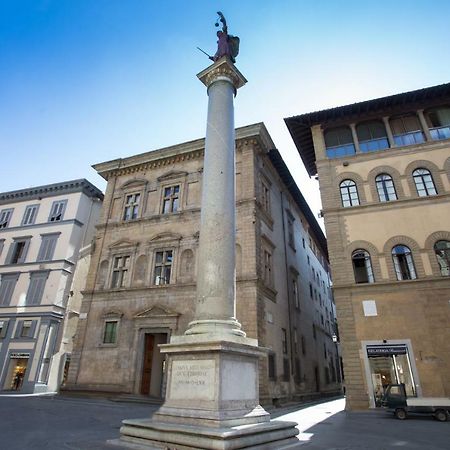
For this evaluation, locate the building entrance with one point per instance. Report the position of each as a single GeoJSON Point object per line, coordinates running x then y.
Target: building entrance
{"type": "Point", "coordinates": [152, 365]}
{"type": "Point", "coordinates": [389, 364]}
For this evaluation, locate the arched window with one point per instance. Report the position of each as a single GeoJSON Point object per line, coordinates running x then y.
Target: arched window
{"type": "Point", "coordinates": [385, 187]}
{"type": "Point", "coordinates": [439, 121]}
{"type": "Point", "coordinates": [372, 136]}
{"type": "Point", "coordinates": [403, 263]}
{"type": "Point", "coordinates": [339, 142]}
{"type": "Point", "coordinates": [362, 266]}
{"type": "Point", "coordinates": [349, 193]}
{"type": "Point", "coordinates": [424, 182]}
{"type": "Point", "coordinates": [442, 251]}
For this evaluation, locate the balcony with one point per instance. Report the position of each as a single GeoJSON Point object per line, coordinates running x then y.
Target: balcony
{"type": "Point", "coordinates": [340, 150]}
{"type": "Point", "coordinates": [374, 145]}
{"type": "Point", "coordinates": [439, 133]}
{"type": "Point", "coordinates": [411, 138]}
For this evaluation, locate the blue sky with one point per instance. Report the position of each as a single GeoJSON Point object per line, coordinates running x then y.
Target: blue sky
{"type": "Point", "coordinates": [86, 81]}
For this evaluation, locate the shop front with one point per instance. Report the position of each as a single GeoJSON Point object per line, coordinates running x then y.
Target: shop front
{"type": "Point", "coordinates": [388, 364]}
{"type": "Point", "coordinates": [16, 373]}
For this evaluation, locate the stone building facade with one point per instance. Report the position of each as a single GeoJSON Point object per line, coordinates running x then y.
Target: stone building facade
{"type": "Point", "coordinates": [142, 281]}
{"type": "Point", "coordinates": [384, 173]}
{"type": "Point", "coordinates": [42, 230]}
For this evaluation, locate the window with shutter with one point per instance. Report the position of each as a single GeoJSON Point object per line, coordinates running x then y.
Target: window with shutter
{"type": "Point", "coordinates": [57, 211]}
{"type": "Point", "coordinates": [18, 250]}
{"type": "Point", "coordinates": [36, 287]}
{"type": "Point", "coordinates": [48, 246]}
{"type": "Point", "coordinates": [7, 285]}
{"type": "Point", "coordinates": [5, 217]}
{"type": "Point", "coordinates": [30, 214]}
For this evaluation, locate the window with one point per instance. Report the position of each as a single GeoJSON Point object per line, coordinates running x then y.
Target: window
{"type": "Point", "coordinates": [131, 206]}
{"type": "Point", "coordinates": [385, 187]}
{"type": "Point", "coordinates": [57, 211]}
{"type": "Point", "coordinates": [295, 341]}
{"type": "Point", "coordinates": [265, 197]}
{"type": "Point", "coordinates": [30, 214]}
{"type": "Point", "coordinates": [7, 285]}
{"type": "Point", "coordinates": [442, 251]}
{"type": "Point", "coordinates": [349, 193]}
{"type": "Point", "coordinates": [163, 267]}
{"type": "Point", "coordinates": [267, 275]}
{"type": "Point", "coordinates": [5, 217]}
{"type": "Point", "coordinates": [286, 370]}
{"type": "Point", "coordinates": [310, 291]}
{"type": "Point", "coordinates": [18, 250]}
{"type": "Point", "coordinates": [271, 366]}
{"type": "Point", "coordinates": [284, 344]}
{"type": "Point", "coordinates": [314, 331]}
{"type": "Point", "coordinates": [171, 199]}
{"type": "Point", "coordinates": [2, 243]}
{"type": "Point", "coordinates": [303, 345]}
{"type": "Point", "coordinates": [290, 226]}
{"type": "Point", "coordinates": [3, 328]}
{"type": "Point", "coordinates": [120, 271]}
{"type": "Point", "coordinates": [403, 263]}
{"type": "Point", "coordinates": [110, 332]}
{"type": "Point", "coordinates": [325, 350]}
{"type": "Point", "coordinates": [407, 130]}
{"type": "Point", "coordinates": [48, 245]}
{"type": "Point", "coordinates": [295, 293]}
{"type": "Point", "coordinates": [36, 287]}
{"type": "Point", "coordinates": [362, 266]}
{"type": "Point", "coordinates": [339, 142]}
{"type": "Point", "coordinates": [424, 182]}
{"type": "Point", "coordinates": [372, 136]}
{"type": "Point", "coordinates": [27, 329]}
{"type": "Point", "coordinates": [439, 121]}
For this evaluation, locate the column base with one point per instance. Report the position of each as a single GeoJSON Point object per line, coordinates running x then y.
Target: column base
{"type": "Point", "coordinates": [214, 326]}
{"type": "Point", "coordinates": [149, 434]}
{"type": "Point", "coordinates": [212, 400]}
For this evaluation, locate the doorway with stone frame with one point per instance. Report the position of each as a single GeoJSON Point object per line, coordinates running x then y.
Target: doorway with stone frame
{"type": "Point", "coordinates": [152, 327]}
{"type": "Point", "coordinates": [153, 363]}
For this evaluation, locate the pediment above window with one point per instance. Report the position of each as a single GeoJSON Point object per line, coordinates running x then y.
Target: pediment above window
{"type": "Point", "coordinates": [135, 183]}
{"type": "Point", "coordinates": [156, 311]}
{"type": "Point", "coordinates": [165, 237]}
{"type": "Point", "coordinates": [172, 175]}
{"type": "Point", "coordinates": [113, 314]}
{"type": "Point", "coordinates": [123, 244]}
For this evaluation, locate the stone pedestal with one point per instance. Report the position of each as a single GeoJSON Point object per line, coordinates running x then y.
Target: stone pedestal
{"type": "Point", "coordinates": [212, 394]}
{"type": "Point", "coordinates": [211, 400]}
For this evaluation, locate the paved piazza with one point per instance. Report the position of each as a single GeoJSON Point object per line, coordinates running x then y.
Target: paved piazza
{"type": "Point", "coordinates": [58, 423]}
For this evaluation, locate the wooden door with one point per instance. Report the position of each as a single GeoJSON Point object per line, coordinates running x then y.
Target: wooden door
{"type": "Point", "coordinates": [149, 344]}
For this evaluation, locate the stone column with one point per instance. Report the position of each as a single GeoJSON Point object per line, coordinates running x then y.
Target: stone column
{"type": "Point", "coordinates": [212, 396]}
{"type": "Point", "coordinates": [424, 125]}
{"type": "Point", "coordinates": [389, 132]}
{"type": "Point", "coordinates": [355, 138]}
{"type": "Point", "coordinates": [216, 303]}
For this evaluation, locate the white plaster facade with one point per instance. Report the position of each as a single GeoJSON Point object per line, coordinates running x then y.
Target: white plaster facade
{"type": "Point", "coordinates": [42, 231]}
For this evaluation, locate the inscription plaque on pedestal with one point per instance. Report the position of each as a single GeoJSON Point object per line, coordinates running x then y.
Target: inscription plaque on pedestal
{"type": "Point", "coordinates": [193, 379]}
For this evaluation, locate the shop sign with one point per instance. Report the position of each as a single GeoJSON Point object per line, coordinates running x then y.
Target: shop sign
{"type": "Point", "coordinates": [386, 350]}
{"type": "Point", "coordinates": [17, 355]}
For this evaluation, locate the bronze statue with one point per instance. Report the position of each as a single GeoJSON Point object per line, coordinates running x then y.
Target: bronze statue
{"type": "Point", "coordinates": [227, 45]}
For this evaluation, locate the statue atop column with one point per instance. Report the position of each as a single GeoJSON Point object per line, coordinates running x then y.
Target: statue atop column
{"type": "Point", "coordinates": [227, 45]}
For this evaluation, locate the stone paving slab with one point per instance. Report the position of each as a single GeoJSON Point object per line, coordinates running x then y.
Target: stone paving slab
{"type": "Point", "coordinates": [58, 423]}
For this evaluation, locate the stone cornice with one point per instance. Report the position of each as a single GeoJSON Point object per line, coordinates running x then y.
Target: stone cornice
{"type": "Point", "coordinates": [255, 134]}
{"type": "Point", "coordinates": [51, 190]}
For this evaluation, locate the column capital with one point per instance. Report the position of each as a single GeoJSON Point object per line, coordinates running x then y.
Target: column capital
{"type": "Point", "coordinates": [222, 69]}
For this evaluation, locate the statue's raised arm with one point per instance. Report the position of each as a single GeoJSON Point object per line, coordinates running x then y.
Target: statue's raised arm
{"type": "Point", "coordinates": [227, 45]}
